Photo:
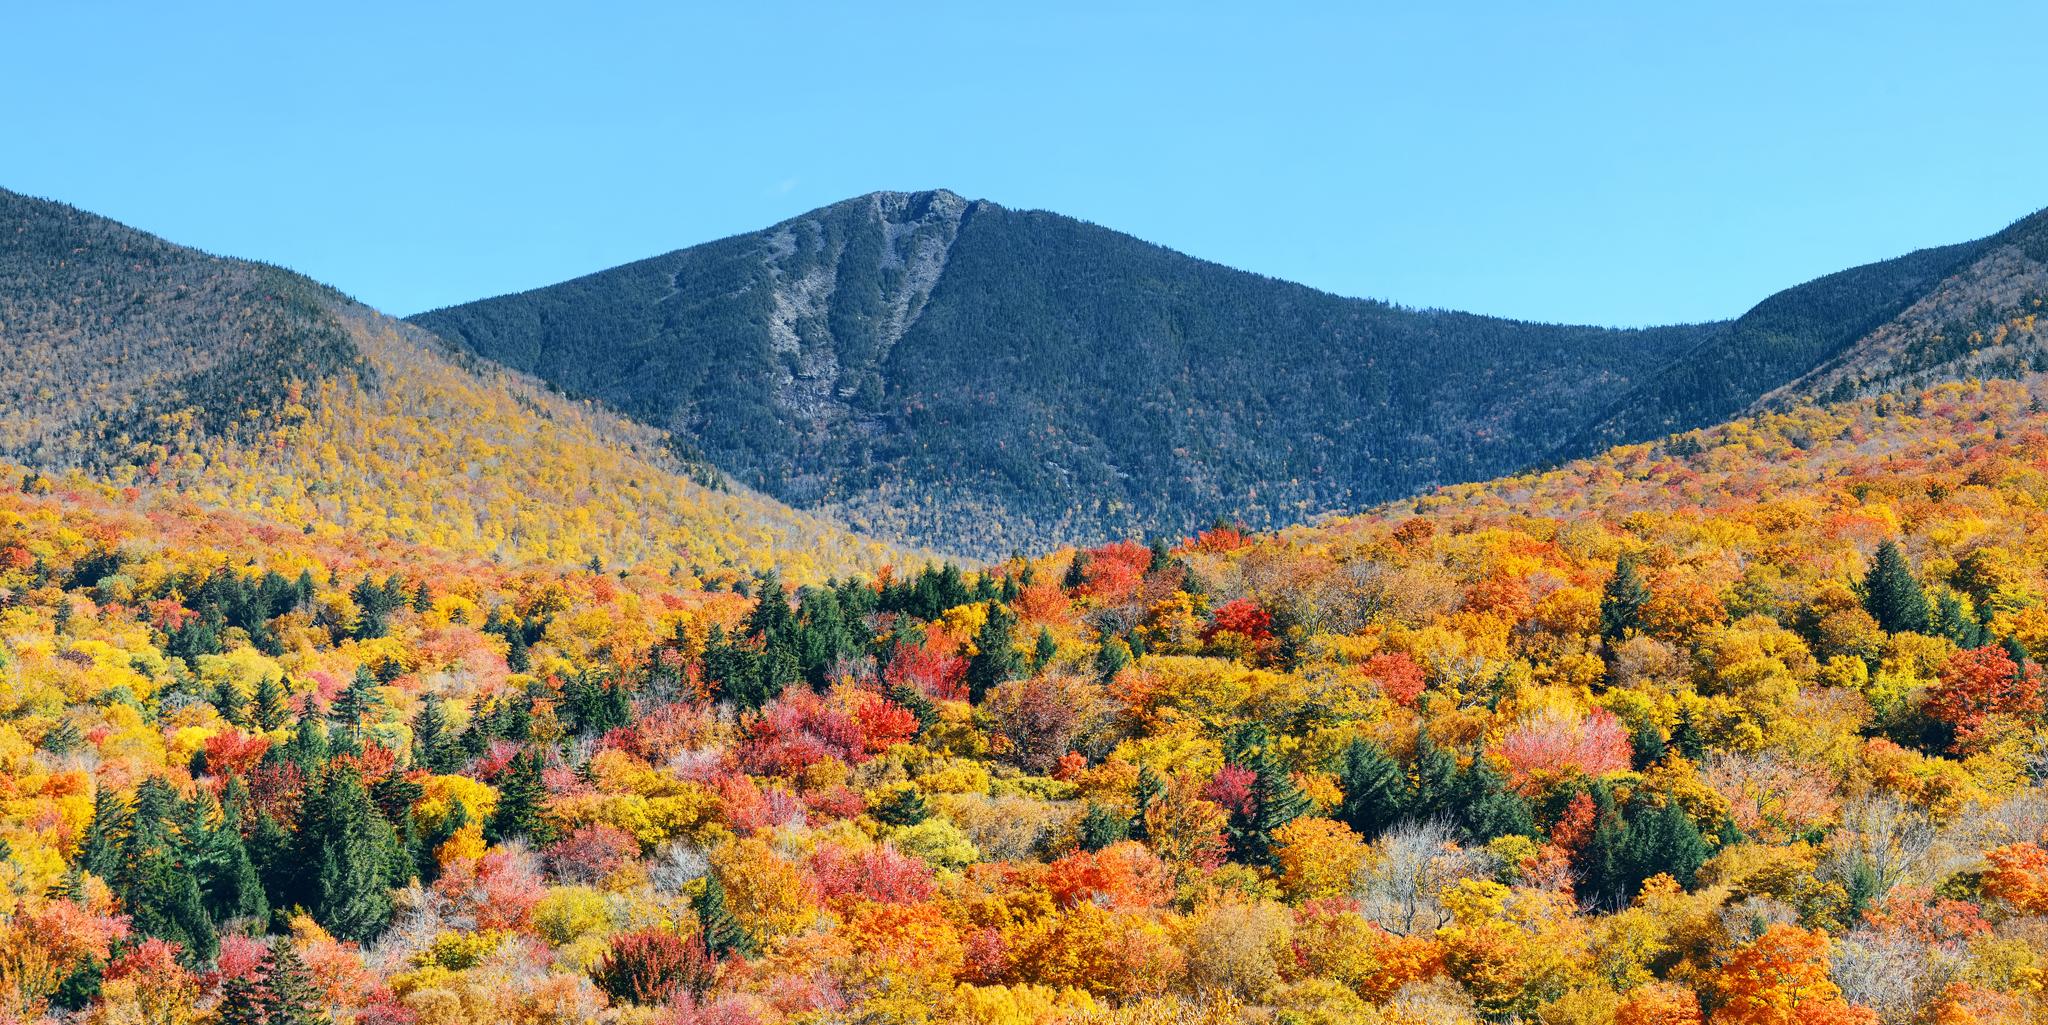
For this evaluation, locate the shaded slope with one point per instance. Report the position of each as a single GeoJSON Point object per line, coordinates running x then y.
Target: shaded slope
{"type": "Point", "coordinates": [960, 373]}
{"type": "Point", "coordinates": [256, 389]}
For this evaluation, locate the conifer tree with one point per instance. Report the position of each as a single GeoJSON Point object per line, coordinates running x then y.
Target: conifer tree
{"type": "Point", "coordinates": [1486, 808]}
{"type": "Point", "coordinates": [352, 898]}
{"type": "Point", "coordinates": [270, 710]}
{"type": "Point", "coordinates": [1374, 787]}
{"type": "Point", "coordinates": [1621, 603]}
{"type": "Point", "coordinates": [1275, 800]}
{"type": "Point", "coordinates": [1436, 773]}
{"type": "Point", "coordinates": [1892, 595]}
{"type": "Point", "coordinates": [522, 797]}
{"type": "Point", "coordinates": [229, 702]}
{"type": "Point", "coordinates": [288, 996]}
{"type": "Point", "coordinates": [1101, 827]}
{"type": "Point", "coordinates": [995, 659]}
{"type": "Point", "coordinates": [1149, 789]}
{"type": "Point", "coordinates": [100, 851]}
{"type": "Point", "coordinates": [241, 1001]}
{"type": "Point", "coordinates": [432, 746]}
{"type": "Point", "coordinates": [351, 706]}
{"type": "Point", "coordinates": [722, 933]}
{"type": "Point", "coordinates": [904, 807]}
{"type": "Point", "coordinates": [1043, 652]}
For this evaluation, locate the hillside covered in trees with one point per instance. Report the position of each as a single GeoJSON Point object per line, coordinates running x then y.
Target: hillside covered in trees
{"type": "Point", "coordinates": [989, 380]}
{"type": "Point", "coordinates": [141, 362]}
{"type": "Point", "coordinates": [1743, 726]}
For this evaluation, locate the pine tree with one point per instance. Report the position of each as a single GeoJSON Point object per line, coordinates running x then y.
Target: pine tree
{"type": "Point", "coordinates": [1436, 774]}
{"type": "Point", "coordinates": [100, 851]}
{"type": "Point", "coordinates": [1374, 787]}
{"type": "Point", "coordinates": [722, 933]}
{"type": "Point", "coordinates": [353, 898]}
{"type": "Point", "coordinates": [352, 705]}
{"type": "Point", "coordinates": [903, 807]}
{"type": "Point", "coordinates": [1663, 840]}
{"type": "Point", "coordinates": [229, 702]}
{"type": "Point", "coordinates": [271, 711]}
{"type": "Point", "coordinates": [1892, 595]}
{"type": "Point", "coordinates": [1275, 800]}
{"type": "Point", "coordinates": [1150, 788]}
{"type": "Point", "coordinates": [288, 996]}
{"type": "Point", "coordinates": [522, 797]}
{"type": "Point", "coordinates": [241, 1001]}
{"type": "Point", "coordinates": [431, 745]}
{"type": "Point", "coordinates": [1101, 827]}
{"type": "Point", "coordinates": [1950, 621]}
{"type": "Point", "coordinates": [1042, 654]}
{"type": "Point", "coordinates": [1486, 808]}
{"type": "Point", "coordinates": [995, 659]}
{"type": "Point", "coordinates": [157, 874]}
{"type": "Point", "coordinates": [1621, 603]}
{"type": "Point", "coordinates": [1111, 658]}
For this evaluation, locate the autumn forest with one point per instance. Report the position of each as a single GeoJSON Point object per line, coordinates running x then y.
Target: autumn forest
{"type": "Point", "coordinates": [349, 675]}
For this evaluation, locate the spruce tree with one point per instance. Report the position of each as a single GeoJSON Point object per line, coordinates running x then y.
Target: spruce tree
{"type": "Point", "coordinates": [903, 807]}
{"type": "Point", "coordinates": [229, 702]}
{"type": "Point", "coordinates": [432, 746]}
{"type": "Point", "coordinates": [351, 706]}
{"type": "Point", "coordinates": [1892, 595]}
{"type": "Point", "coordinates": [1432, 794]}
{"type": "Point", "coordinates": [1663, 840]}
{"type": "Point", "coordinates": [1150, 789]}
{"type": "Point", "coordinates": [1375, 790]}
{"type": "Point", "coordinates": [1043, 652]}
{"type": "Point", "coordinates": [353, 898]}
{"type": "Point", "coordinates": [995, 659]}
{"type": "Point", "coordinates": [522, 797]}
{"type": "Point", "coordinates": [723, 935]}
{"type": "Point", "coordinates": [288, 996]}
{"type": "Point", "coordinates": [1486, 808]}
{"type": "Point", "coordinates": [270, 710]}
{"type": "Point", "coordinates": [1621, 603]}
{"type": "Point", "coordinates": [1101, 827]}
{"type": "Point", "coordinates": [241, 1001]}
{"type": "Point", "coordinates": [1275, 800]}
{"type": "Point", "coordinates": [100, 851]}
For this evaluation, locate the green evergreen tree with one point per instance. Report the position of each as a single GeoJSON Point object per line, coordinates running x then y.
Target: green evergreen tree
{"type": "Point", "coordinates": [353, 898]}
{"type": "Point", "coordinates": [352, 706]}
{"type": "Point", "coordinates": [100, 851]}
{"type": "Point", "coordinates": [1101, 827]}
{"type": "Point", "coordinates": [1950, 621]}
{"type": "Point", "coordinates": [723, 935]}
{"type": "Point", "coordinates": [1150, 788]}
{"type": "Point", "coordinates": [522, 797]}
{"type": "Point", "coordinates": [1111, 657]}
{"type": "Point", "coordinates": [1663, 840]}
{"type": "Point", "coordinates": [1432, 793]}
{"type": "Point", "coordinates": [1622, 601]}
{"type": "Point", "coordinates": [1042, 654]}
{"type": "Point", "coordinates": [1374, 787]}
{"type": "Point", "coordinates": [229, 702]}
{"type": "Point", "coordinates": [241, 1001]}
{"type": "Point", "coordinates": [904, 807]}
{"type": "Point", "coordinates": [1486, 808]}
{"type": "Point", "coordinates": [288, 996]}
{"type": "Point", "coordinates": [995, 660]}
{"type": "Point", "coordinates": [1275, 800]}
{"type": "Point", "coordinates": [433, 746]}
{"type": "Point", "coordinates": [271, 710]}
{"type": "Point", "coordinates": [1892, 595]}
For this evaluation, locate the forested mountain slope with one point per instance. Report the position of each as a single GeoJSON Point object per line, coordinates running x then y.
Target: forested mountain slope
{"type": "Point", "coordinates": [1745, 726]}
{"type": "Point", "coordinates": [139, 361]}
{"type": "Point", "coordinates": [992, 379]}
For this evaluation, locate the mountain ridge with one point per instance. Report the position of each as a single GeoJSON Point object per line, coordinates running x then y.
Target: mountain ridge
{"type": "Point", "coordinates": [799, 376]}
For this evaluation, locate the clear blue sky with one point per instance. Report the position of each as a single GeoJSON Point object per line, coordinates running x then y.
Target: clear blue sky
{"type": "Point", "coordinates": [1626, 163]}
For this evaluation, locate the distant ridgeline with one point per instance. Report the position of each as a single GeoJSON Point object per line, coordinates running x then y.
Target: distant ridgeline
{"type": "Point", "coordinates": [983, 379]}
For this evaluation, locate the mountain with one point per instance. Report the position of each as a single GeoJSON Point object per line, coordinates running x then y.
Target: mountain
{"type": "Point", "coordinates": [952, 371]}
{"type": "Point", "coordinates": [253, 388]}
